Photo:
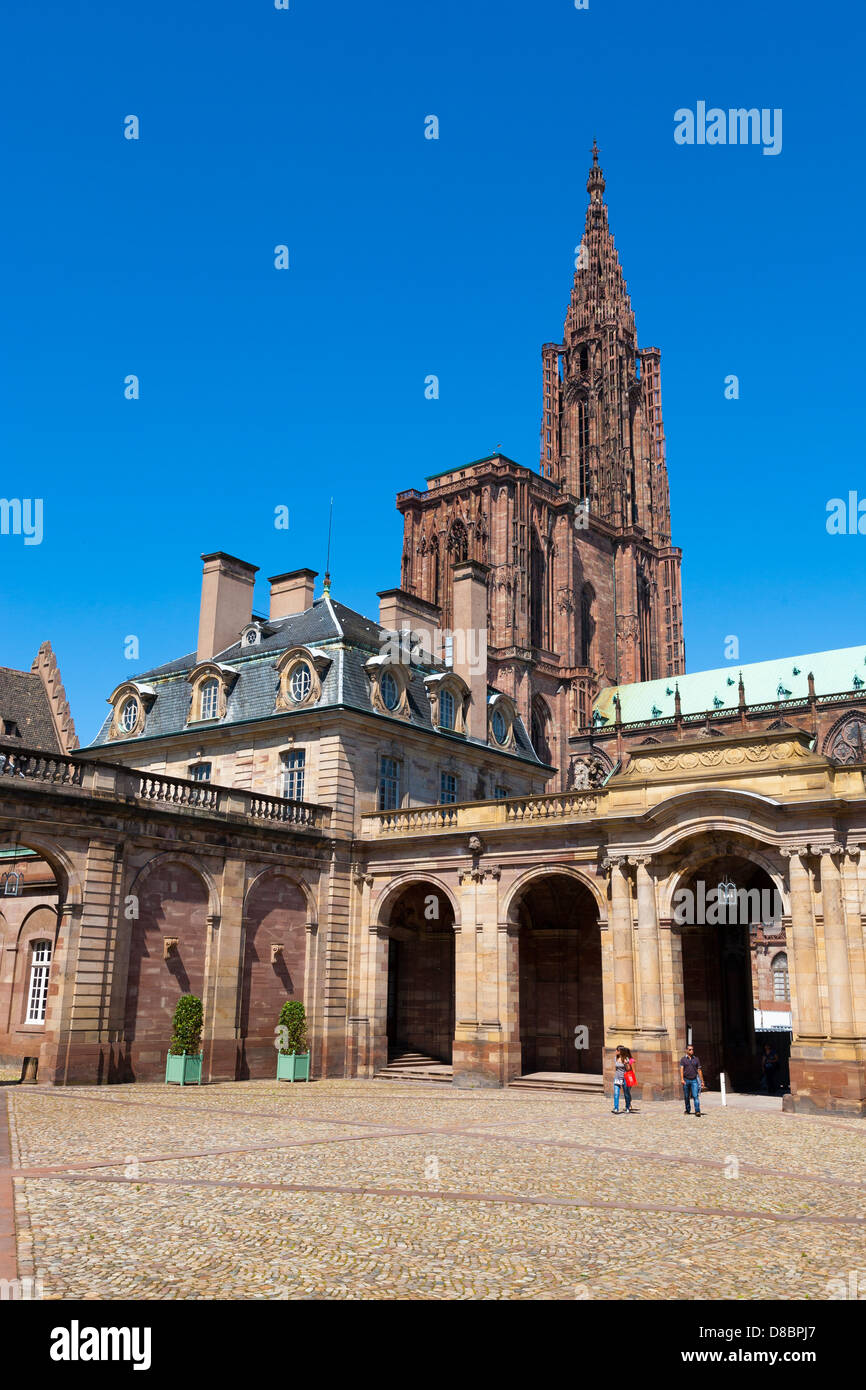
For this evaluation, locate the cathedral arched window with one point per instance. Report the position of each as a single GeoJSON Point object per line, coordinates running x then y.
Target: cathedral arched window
{"type": "Point", "coordinates": [587, 624]}
{"type": "Point", "coordinates": [539, 727]}
{"type": "Point", "coordinates": [781, 980]}
{"type": "Point", "coordinates": [458, 542]}
{"type": "Point", "coordinates": [537, 593]}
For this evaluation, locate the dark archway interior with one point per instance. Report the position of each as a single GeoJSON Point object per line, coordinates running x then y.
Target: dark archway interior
{"type": "Point", "coordinates": [421, 974]}
{"type": "Point", "coordinates": [717, 975]}
{"type": "Point", "coordinates": [560, 977]}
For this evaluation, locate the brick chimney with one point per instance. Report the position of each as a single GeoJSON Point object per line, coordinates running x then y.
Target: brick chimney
{"type": "Point", "coordinates": [469, 640]}
{"type": "Point", "coordinates": [292, 592]}
{"type": "Point", "coordinates": [399, 610]}
{"type": "Point", "coordinates": [226, 602]}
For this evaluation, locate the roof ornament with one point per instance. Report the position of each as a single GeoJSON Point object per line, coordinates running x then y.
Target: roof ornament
{"type": "Point", "coordinates": [595, 182]}
{"type": "Point", "coordinates": [326, 587]}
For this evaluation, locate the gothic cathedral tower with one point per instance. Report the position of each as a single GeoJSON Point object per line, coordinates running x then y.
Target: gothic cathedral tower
{"type": "Point", "coordinates": [584, 584]}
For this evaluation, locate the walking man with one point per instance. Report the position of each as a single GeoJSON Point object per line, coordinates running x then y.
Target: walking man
{"type": "Point", "coordinates": [693, 1079]}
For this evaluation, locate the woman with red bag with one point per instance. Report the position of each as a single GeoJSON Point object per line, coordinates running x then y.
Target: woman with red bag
{"type": "Point", "coordinates": [624, 1079]}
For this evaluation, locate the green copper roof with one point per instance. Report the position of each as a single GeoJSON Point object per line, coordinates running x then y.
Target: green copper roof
{"type": "Point", "coordinates": [765, 682]}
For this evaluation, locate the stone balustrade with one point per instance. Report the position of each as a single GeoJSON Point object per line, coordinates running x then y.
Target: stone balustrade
{"type": "Point", "coordinates": [480, 815]}
{"type": "Point", "coordinates": [22, 766]}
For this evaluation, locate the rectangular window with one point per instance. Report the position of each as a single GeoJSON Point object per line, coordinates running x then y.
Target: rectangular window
{"type": "Point", "coordinates": [200, 772]}
{"type": "Point", "coordinates": [500, 793]}
{"type": "Point", "coordinates": [389, 784]}
{"type": "Point", "coordinates": [293, 774]}
{"type": "Point", "coordinates": [447, 789]}
{"type": "Point", "coordinates": [37, 997]}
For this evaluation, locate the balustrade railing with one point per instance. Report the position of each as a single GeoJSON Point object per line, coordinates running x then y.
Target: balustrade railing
{"type": "Point", "coordinates": [108, 780]}
{"type": "Point", "coordinates": [470, 815]}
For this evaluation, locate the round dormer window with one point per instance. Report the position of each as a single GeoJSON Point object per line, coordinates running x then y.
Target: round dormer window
{"type": "Point", "coordinates": [500, 728]}
{"type": "Point", "coordinates": [129, 715]}
{"type": "Point", "coordinates": [301, 682]}
{"type": "Point", "coordinates": [252, 637]}
{"type": "Point", "coordinates": [390, 691]}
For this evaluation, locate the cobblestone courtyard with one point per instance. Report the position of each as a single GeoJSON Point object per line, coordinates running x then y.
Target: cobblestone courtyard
{"type": "Point", "coordinates": [348, 1189]}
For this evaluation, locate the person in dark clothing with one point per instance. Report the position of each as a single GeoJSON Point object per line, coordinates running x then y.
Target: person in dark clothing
{"type": "Point", "coordinates": [692, 1078]}
{"type": "Point", "coordinates": [770, 1068]}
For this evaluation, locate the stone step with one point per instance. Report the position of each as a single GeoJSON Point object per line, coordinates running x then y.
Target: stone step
{"type": "Point", "coordinates": [428, 1070]}
{"type": "Point", "coordinates": [582, 1083]}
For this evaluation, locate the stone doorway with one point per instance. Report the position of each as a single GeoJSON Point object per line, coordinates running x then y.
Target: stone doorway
{"type": "Point", "coordinates": [560, 1002]}
{"type": "Point", "coordinates": [733, 899]}
{"type": "Point", "coordinates": [420, 1009]}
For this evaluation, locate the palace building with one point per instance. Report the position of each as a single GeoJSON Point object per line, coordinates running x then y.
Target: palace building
{"type": "Point", "coordinates": [462, 833]}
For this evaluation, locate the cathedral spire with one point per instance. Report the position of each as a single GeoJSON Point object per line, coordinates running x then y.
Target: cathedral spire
{"type": "Point", "coordinates": [595, 182]}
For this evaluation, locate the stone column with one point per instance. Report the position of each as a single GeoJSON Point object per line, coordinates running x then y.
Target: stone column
{"type": "Point", "coordinates": [223, 970]}
{"type": "Point", "coordinates": [805, 996]}
{"type": "Point", "coordinates": [836, 944]}
{"type": "Point", "coordinates": [621, 933]}
{"type": "Point", "coordinates": [650, 1012]}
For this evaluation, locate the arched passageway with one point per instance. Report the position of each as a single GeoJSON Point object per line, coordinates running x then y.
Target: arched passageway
{"type": "Point", "coordinates": [561, 1008]}
{"type": "Point", "coordinates": [30, 896]}
{"type": "Point", "coordinates": [420, 932]}
{"type": "Point", "coordinates": [725, 907]}
{"type": "Point", "coordinates": [273, 968]}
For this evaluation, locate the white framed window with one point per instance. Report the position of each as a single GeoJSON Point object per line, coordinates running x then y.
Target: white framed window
{"type": "Point", "coordinates": [781, 979]}
{"type": "Point", "coordinates": [447, 788]}
{"type": "Point", "coordinates": [389, 784]}
{"type": "Point", "coordinates": [301, 682]}
{"type": "Point", "coordinates": [293, 774]}
{"type": "Point", "coordinates": [209, 699]}
{"type": "Point", "coordinates": [129, 715]}
{"type": "Point", "coordinates": [200, 772]}
{"type": "Point", "coordinates": [499, 726]}
{"type": "Point", "coordinates": [446, 710]}
{"type": "Point", "coordinates": [37, 994]}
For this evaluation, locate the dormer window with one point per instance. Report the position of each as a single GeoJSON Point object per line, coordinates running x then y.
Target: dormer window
{"type": "Point", "coordinates": [130, 703]}
{"type": "Point", "coordinates": [211, 682]}
{"type": "Point", "coordinates": [502, 716]}
{"type": "Point", "coordinates": [390, 691]}
{"type": "Point", "coordinates": [300, 671]}
{"type": "Point", "coordinates": [446, 710]}
{"type": "Point", "coordinates": [301, 682]}
{"type": "Point", "coordinates": [210, 690]}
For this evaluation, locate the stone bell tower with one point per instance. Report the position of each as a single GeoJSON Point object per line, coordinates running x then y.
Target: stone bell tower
{"type": "Point", "coordinates": [583, 583]}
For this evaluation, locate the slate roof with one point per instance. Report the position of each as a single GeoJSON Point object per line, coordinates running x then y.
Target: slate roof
{"type": "Point", "coordinates": [24, 701]}
{"type": "Point", "coordinates": [764, 682]}
{"type": "Point", "coordinates": [347, 638]}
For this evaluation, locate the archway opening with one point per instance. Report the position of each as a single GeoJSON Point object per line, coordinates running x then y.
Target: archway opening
{"type": "Point", "coordinates": [736, 1004]}
{"type": "Point", "coordinates": [561, 1006]}
{"type": "Point", "coordinates": [30, 900]}
{"type": "Point", "coordinates": [421, 975]}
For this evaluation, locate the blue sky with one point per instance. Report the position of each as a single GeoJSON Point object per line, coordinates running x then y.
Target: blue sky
{"type": "Point", "coordinates": [262, 388]}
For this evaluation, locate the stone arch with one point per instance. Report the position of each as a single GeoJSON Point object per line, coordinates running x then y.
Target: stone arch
{"type": "Point", "coordinates": [383, 905]}
{"type": "Point", "coordinates": [159, 861]}
{"type": "Point", "coordinates": [57, 856]}
{"type": "Point", "coordinates": [553, 914]}
{"type": "Point", "coordinates": [419, 956]}
{"type": "Point", "coordinates": [279, 913]}
{"type": "Point", "coordinates": [743, 846]}
{"type": "Point", "coordinates": [511, 903]}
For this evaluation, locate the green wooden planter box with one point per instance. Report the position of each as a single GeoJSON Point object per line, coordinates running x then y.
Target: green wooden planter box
{"type": "Point", "coordinates": [184, 1069]}
{"type": "Point", "coordinates": [293, 1066]}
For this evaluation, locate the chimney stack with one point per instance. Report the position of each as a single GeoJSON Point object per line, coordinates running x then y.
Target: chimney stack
{"type": "Point", "coordinates": [226, 602]}
{"type": "Point", "coordinates": [400, 610]}
{"type": "Point", "coordinates": [292, 593]}
{"type": "Point", "coordinates": [469, 640]}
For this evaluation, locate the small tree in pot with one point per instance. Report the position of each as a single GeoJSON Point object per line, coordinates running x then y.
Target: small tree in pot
{"type": "Point", "coordinates": [183, 1063]}
{"type": "Point", "coordinates": [293, 1058]}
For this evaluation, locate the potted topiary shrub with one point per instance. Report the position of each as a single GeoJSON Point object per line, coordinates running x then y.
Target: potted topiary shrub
{"type": "Point", "coordinates": [183, 1064]}
{"type": "Point", "coordinates": [293, 1059]}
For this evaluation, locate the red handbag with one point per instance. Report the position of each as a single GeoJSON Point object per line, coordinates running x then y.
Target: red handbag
{"type": "Point", "coordinates": [630, 1079]}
